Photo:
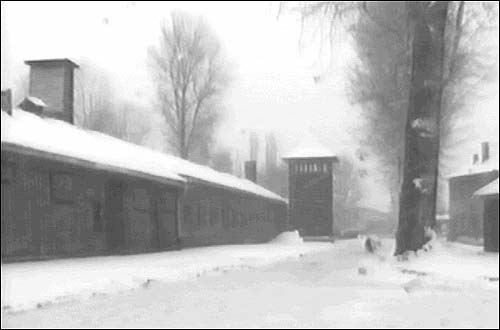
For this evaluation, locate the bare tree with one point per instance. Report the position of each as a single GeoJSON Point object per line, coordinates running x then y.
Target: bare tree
{"type": "Point", "coordinates": [97, 108]}
{"type": "Point", "coordinates": [129, 122]}
{"type": "Point", "coordinates": [94, 98]}
{"type": "Point", "coordinates": [421, 140]}
{"type": "Point", "coordinates": [188, 69]}
{"type": "Point", "coordinates": [380, 81]}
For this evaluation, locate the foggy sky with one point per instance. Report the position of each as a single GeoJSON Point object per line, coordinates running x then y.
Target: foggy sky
{"type": "Point", "coordinates": [273, 85]}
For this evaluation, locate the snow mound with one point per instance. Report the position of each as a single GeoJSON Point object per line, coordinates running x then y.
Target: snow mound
{"type": "Point", "coordinates": [288, 237]}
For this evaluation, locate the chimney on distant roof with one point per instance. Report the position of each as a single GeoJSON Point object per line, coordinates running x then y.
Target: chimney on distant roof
{"type": "Point", "coordinates": [51, 82]}
{"type": "Point", "coordinates": [251, 170]}
{"type": "Point", "coordinates": [475, 159]}
{"type": "Point", "coordinates": [485, 151]}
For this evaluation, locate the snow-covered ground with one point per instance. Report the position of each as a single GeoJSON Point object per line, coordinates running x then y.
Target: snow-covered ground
{"type": "Point", "coordinates": [286, 283]}
{"type": "Point", "coordinates": [30, 284]}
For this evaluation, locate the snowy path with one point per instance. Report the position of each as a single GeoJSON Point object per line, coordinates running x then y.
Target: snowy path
{"type": "Point", "coordinates": [321, 289]}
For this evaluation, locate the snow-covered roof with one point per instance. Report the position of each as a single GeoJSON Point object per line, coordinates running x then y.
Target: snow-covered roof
{"type": "Point", "coordinates": [490, 189]}
{"type": "Point", "coordinates": [61, 138]}
{"type": "Point", "coordinates": [491, 164]}
{"type": "Point", "coordinates": [309, 148]}
{"type": "Point", "coordinates": [442, 217]}
{"type": "Point", "coordinates": [52, 60]}
{"type": "Point", "coordinates": [484, 167]}
{"type": "Point", "coordinates": [191, 170]}
{"type": "Point", "coordinates": [36, 101]}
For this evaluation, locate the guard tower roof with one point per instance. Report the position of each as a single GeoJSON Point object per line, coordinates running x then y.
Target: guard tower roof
{"type": "Point", "coordinates": [309, 148]}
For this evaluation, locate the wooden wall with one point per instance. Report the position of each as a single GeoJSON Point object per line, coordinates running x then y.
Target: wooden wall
{"type": "Point", "coordinates": [47, 83]}
{"type": "Point", "coordinates": [52, 209]}
{"type": "Point", "coordinates": [213, 215]}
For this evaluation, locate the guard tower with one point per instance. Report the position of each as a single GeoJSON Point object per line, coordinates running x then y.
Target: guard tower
{"type": "Point", "coordinates": [310, 184]}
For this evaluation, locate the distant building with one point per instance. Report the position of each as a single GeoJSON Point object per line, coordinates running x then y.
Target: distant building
{"type": "Point", "coordinates": [466, 213]}
{"type": "Point", "coordinates": [310, 183]}
{"type": "Point", "coordinates": [489, 198]}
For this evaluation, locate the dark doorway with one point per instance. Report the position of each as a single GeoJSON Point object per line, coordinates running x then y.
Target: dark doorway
{"type": "Point", "coordinates": [113, 210]}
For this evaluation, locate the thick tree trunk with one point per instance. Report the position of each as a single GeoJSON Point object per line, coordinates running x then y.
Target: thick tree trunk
{"type": "Point", "coordinates": [417, 198]}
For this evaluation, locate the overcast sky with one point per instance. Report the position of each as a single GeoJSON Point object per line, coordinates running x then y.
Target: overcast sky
{"type": "Point", "coordinates": [272, 88]}
{"type": "Point", "coordinates": [273, 76]}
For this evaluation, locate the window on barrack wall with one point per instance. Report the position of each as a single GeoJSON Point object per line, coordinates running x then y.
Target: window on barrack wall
{"type": "Point", "coordinates": [8, 171]}
{"type": "Point", "coordinates": [140, 200]}
{"type": "Point", "coordinates": [61, 188]}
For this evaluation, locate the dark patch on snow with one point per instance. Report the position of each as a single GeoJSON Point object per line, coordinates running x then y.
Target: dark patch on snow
{"type": "Point", "coordinates": [313, 263]}
{"type": "Point", "coordinates": [444, 322]}
{"type": "Point", "coordinates": [147, 283]}
{"type": "Point", "coordinates": [97, 294]}
{"type": "Point", "coordinates": [371, 243]}
{"type": "Point", "coordinates": [43, 304]}
{"type": "Point", "coordinates": [414, 272]}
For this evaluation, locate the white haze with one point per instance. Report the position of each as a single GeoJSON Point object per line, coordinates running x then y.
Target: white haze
{"type": "Point", "coordinates": [273, 87]}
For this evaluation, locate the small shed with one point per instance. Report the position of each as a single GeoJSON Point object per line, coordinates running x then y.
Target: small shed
{"type": "Point", "coordinates": [489, 196]}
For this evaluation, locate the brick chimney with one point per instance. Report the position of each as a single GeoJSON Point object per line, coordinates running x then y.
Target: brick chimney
{"type": "Point", "coordinates": [51, 81]}
{"type": "Point", "coordinates": [251, 170]}
{"type": "Point", "coordinates": [485, 151]}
